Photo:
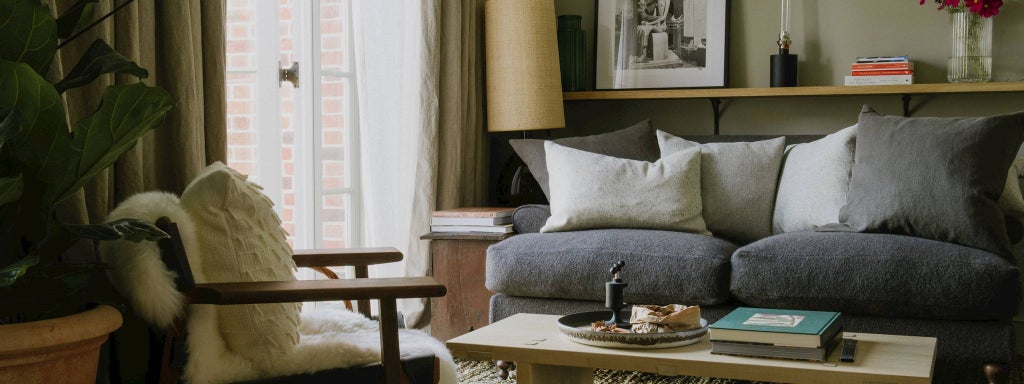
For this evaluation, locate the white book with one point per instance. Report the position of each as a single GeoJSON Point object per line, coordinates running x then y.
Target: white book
{"type": "Point", "coordinates": [472, 228]}
{"type": "Point", "coordinates": [880, 80]}
{"type": "Point", "coordinates": [486, 221]}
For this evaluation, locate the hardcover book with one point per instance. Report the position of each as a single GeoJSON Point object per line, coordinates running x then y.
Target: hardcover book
{"type": "Point", "coordinates": [490, 212]}
{"type": "Point", "coordinates": [778, 352]}
{"type": "Point", "coordinates": [472, 228]}
{"type": "Point", "coordinates": [478, 221]}
{"type": "Point", "coordinates": [882, 59]}
{"type": "Point", "coordinates": [881, 66]}
{"type": "Point", "coordinates": [879, 80]}
{"type": "Point", "coordinates": [883, 72]}
{"type": "Point", "coordinates": [777, 327]}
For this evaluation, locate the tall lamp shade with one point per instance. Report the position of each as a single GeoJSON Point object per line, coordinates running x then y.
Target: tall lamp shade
{"type": "Point", "coordinates": [524, 85]}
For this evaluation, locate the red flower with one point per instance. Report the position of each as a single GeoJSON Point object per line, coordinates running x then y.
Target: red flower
{"type": "Point", "coordinates": [990, 8]}
{"type": "Point", "coordinates": [974, 5]}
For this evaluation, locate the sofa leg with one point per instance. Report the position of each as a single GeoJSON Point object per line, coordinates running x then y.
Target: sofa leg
{"type": "Point", "coordinates": [503, 368]}
{"type": "Point", "coordinates": [997, 373]}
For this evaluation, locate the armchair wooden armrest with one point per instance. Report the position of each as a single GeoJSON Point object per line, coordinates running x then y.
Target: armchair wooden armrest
{"type": "Point", "coordinates": [345, 257]}
{"type": "Point", "coordinates": [315, 290]}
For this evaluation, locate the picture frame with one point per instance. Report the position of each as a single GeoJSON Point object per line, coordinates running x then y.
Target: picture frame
{"type": "Point", "coordinates": [685, 44]}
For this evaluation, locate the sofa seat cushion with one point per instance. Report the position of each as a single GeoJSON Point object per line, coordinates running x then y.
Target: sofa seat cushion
{"type": "Point", "coordinates": [662, 267]}
{"type": "Point", "coordinates": [875, 274]}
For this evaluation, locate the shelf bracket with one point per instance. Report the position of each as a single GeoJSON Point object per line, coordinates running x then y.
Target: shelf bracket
{"type": "Point", "coordinates": [906, 105]}
{"type": "Point", "coordinates": [716, 106]}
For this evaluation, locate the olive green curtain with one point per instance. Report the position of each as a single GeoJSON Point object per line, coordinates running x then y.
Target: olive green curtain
{"type": "Point", "coordinates": [462, 165]}
{"type": "Point", "coordinates": [181, 44]}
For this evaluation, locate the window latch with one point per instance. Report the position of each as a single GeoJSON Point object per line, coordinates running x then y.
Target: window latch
{"type": "Point", "coordinates": [290, 74]}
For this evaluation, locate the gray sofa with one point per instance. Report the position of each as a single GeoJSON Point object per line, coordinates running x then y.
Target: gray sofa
{"type": "Point", "coordinates": [881, 283]}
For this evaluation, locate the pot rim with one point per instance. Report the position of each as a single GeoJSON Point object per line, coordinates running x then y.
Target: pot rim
{"type": "Point", "coordinates": [96, 322]}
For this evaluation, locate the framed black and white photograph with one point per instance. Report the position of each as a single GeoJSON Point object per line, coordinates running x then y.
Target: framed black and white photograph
{"type": "Point", "coordinates": [661, 43]}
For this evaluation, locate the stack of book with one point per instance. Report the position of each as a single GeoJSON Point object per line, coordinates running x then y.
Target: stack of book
{"type": "Point", "coordinates": [481, 219]}
{"type": "Point", "coordinates": [883, 70]}
{"type": "Point", "coordinates": [776, 333]}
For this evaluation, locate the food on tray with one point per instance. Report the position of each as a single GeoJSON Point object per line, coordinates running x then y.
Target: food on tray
{"type": "Point", "coordinates": [607, 327]}
{"type": "Point", "coordinates": [661, 319]}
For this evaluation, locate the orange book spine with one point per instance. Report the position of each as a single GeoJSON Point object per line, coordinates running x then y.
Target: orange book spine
{"type": "Point", "coordinates": [878, 66]}
{"type": "Point", "coordinates": [883, 73]}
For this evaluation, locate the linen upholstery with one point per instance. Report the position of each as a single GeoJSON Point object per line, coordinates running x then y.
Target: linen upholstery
{"type": "Point", "coordinates": [738, 182]}
{"type": "Point", "coordinates": [814, 182]}
{"type": "Point", "coordinates": [242, 240]}
{"type": "Point", "coordinates": [590, 191]}
{"type": "Point", "coordinates": [662, 267]}
{"type": "Point", "coordinates": [936, 178]}
{"type": "Point", "coordinates": [636, 142]}
{"type": "Point", "coordinates": [875, 274]}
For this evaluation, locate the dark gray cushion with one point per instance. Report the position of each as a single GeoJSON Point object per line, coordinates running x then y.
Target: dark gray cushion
{"type": "Point", "coordinates": [661, 267]}
{"type": "Point", "coordinates": [530, 218]}
{"type": "Point", "coordinates": [875, 274]}
{"type": "Point", "coordinates": [637, 142]}
{"type": "Point", "coordinates": [936, 178]}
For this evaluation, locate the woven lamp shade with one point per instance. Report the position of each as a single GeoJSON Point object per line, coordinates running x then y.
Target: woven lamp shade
{"type": "Point", "coordinates": [524, 86]}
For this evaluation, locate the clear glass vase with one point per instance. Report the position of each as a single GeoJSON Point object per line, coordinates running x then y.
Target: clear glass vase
{"type": "Point", "coordinates": [970, 60]}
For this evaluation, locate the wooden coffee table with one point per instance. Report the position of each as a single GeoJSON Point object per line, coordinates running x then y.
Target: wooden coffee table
{"type": "Point", "coordinates": [543, 355]}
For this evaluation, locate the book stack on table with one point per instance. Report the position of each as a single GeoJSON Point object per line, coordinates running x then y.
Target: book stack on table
{"type": "Point", "coordinates": [882, 70]}
{"type": "Point", "coordinates": [776, 333]}
{"type": "Point", "coordinates": [477, 219]}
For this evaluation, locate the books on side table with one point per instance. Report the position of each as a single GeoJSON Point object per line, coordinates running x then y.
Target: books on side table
{"type": "Point", "coordinates": [776, 333]}
{"type": "Point", "coordinates": [473, 219]}
{"type": "Point", "coordinates": [881, 70]}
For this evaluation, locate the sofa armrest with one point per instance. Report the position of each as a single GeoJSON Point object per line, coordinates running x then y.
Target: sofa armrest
{"type": "Point", "coordinates": [530, 218]}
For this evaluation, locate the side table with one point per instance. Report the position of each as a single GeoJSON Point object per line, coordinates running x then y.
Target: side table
{"type": "Point", "coordinates": [458, 262]}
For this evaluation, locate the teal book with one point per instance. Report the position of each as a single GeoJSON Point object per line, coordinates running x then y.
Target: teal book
{"type": "Point", "coordinates": [779, 327]}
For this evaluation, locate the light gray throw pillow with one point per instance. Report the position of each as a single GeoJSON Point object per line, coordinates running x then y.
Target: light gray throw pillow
{"type": "Point", "coordinates": [590, 191]}
{"type": "Point", "coordinates": [814, 182]}
{"type": "Point", "coordinates": [738, 183]}
{"type": "Point", "coordinates": [935, 178]}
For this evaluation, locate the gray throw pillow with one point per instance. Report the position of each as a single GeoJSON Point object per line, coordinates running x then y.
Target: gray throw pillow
{"type": "Point", "coordinates": [814, 181]}
{"type": "Point", "coordinates": [737, 182]}
{"type": "Point", "coordinates": [635, 143]}
{"type": "Point", "coordinates": [590, 191]}
{"type": "Point", "coordinates": [935, 178]}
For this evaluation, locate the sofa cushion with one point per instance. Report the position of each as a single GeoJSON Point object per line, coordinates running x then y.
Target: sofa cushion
{"type": "Point", "coordinates": [814, 181]}
{"type": "Point", "coordinates": [636, 142]}
{"type": "Point", "coordinates": [875, 274]}
{"type": "Point", "coordinates": [592, 191]}
{"type": "Point", "coordinates": [529, 218]}
{"type": "Point", "coordinates": [662, 267]}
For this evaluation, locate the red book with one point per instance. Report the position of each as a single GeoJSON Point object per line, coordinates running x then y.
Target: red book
{"type": "Point", "coordinates": [883, 72]}
{"type": "Point", "coordinates": [490, 212]}
{"type": "Point", "coordinates": [882, 66]}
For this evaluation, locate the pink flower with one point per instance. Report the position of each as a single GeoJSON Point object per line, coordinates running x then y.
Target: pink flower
{"type": "Point", "coordinates": [990, 8]}
{"type": "Point", "coordinates": [974, 5]}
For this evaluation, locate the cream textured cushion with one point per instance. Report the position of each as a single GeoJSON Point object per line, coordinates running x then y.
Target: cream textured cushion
{"type": "Point", "coordinates": [814, 183]}
{"type": "Point", "coordinates": [591, 191]}
{"type": "Point", "coordinates": [242, 240]}
{"type": "Point", "coordinates": [738, 183]}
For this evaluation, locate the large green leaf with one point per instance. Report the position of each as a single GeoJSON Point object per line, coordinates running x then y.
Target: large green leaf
{"type": "Point", "coordinates": [127, 112]}
{"type": "Point", "coordinates": [10, 120]}
{"type": "Point", "coordinates": [11, 273]}
{"type": "Point", "coordinates": [75, 18]}
{"type": "Point", "coordinates": [128, 229]}
{"type": "Point", "coordinates": [42, 143]}
{"type": "Point", "coordinates": [10, 189]}
{"type": "Point", "coordinates": [28, 33]}
{"type": "Point", "coordinates": [98, 59]}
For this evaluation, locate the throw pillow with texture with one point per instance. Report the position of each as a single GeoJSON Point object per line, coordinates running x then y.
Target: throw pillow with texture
{"type": "Point", "coordinates": [241, 239]}
{"type": "Point", "coordinates": [935, 178]}
{"type": "Point", "coordinates": [814, 182]}
{"type": "Point", "coordinates": [590, 191]}
{"type": "Point", "coordinates": [636, 143]}
{"type": "Point", "coordinates": [738, 182]}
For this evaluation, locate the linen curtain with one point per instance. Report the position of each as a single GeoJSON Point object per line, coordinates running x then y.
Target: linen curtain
{"type": "Point", "coordinates": [419, 83]}
{"type": "Point", "coordinates": [181, 44]}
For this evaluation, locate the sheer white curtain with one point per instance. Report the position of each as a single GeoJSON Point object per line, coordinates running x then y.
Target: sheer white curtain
{"type": "Point", "coordinates": [397, 65]}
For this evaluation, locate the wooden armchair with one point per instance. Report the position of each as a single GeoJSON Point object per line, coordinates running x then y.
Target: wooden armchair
{"type": "Point", "coordinates": [362, 289]}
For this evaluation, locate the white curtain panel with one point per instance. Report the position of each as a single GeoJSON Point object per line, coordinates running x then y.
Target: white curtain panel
{"type": "Point", "coordinates": [397, 61]}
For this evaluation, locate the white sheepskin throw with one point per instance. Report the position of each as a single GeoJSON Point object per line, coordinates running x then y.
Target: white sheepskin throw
{"type": "Point", "coordinates": [135, 267]}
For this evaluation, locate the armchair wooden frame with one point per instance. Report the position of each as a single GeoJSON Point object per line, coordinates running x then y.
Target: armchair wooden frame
{"type": "Point", "coordinates": [362, 289]}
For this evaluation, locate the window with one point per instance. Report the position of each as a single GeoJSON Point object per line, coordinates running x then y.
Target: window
{"type": "Point", "coordinates": [299, 141]}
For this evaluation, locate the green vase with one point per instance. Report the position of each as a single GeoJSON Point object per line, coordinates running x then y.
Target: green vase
{"type": "Point", "coordinates": [571, 52]}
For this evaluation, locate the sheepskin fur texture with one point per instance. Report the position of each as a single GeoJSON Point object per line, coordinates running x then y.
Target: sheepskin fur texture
{"type": "Point", "coordinates": [330, 336]}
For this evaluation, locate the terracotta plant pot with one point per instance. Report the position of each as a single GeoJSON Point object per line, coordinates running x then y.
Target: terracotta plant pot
{"type": "Point", "coordinates": [61, 350]}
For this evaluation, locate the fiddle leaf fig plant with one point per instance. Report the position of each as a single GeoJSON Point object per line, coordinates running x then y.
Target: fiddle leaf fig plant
{"type": "Point", "coordinates": [44, 162]}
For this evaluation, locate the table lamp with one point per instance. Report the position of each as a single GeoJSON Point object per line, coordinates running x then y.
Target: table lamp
{"type": "Point", "coordinates": [783, 65]}
{"type": "Point", "coordinates": [524, 85]}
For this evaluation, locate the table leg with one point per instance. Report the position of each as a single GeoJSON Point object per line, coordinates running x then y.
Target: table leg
{"type": "Point", "coordinates": [555, 374]}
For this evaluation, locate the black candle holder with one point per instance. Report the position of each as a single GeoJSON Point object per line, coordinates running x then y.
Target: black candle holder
{"type": "Point", "coordinates": [613, 295]}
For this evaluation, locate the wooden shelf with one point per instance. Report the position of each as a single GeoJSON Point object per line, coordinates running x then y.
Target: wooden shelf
{"type": "Point", "coordinates": [729, 93]}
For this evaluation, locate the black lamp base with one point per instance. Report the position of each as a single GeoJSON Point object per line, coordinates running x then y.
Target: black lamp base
{"type": "Point", "coordinates": [783, 69]}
